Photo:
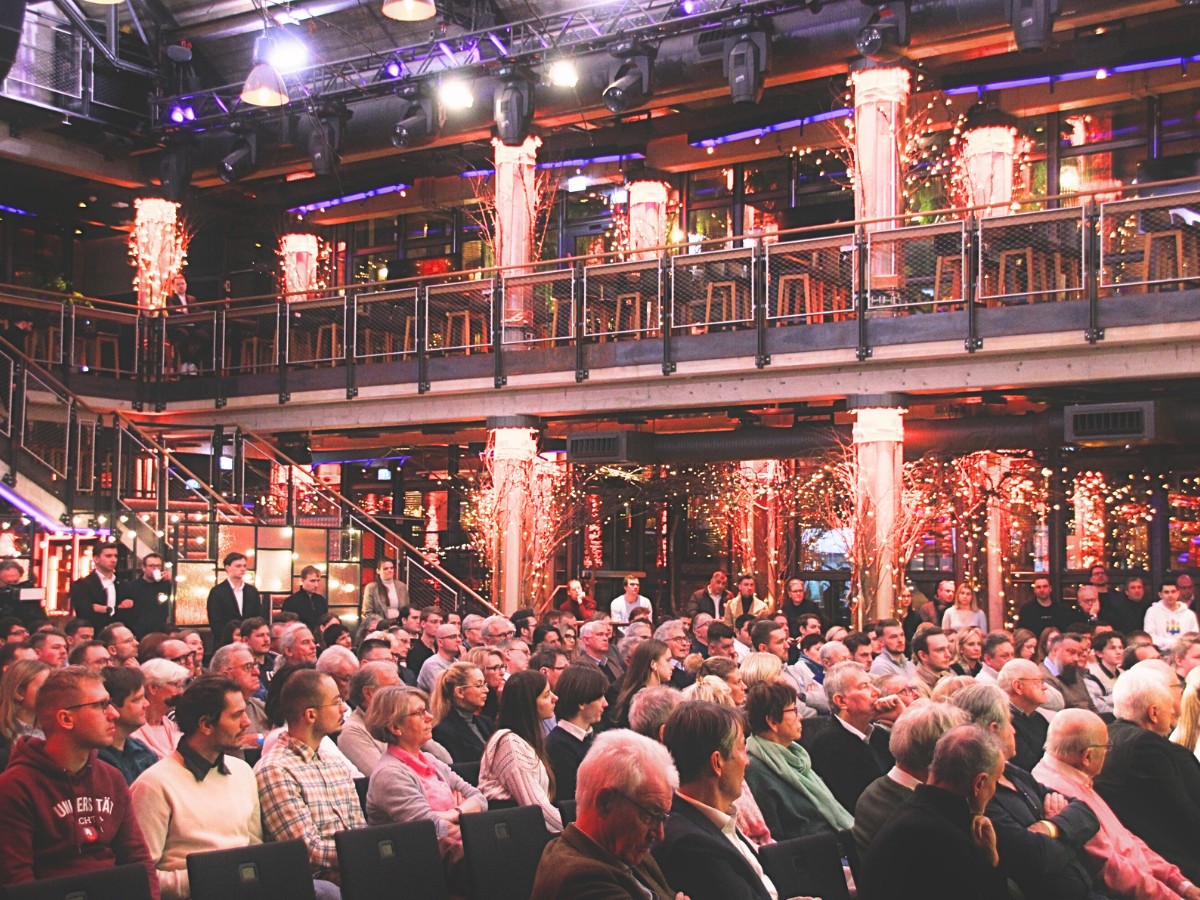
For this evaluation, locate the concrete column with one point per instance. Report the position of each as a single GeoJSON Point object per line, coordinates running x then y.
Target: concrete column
{"type": "Point", "coordinates": [998, 467]}
{"type": "Point", "coordinates": [514, 449]}
{"type": "Point", "coordinates": [299, 257]}
{"type": "Point", "coordinates": [880, 104]}
{"type": "Point", "coordinates": [516, 218]}
{"type": "Point", "coordinates": [156, 249]}
{"type": "Point", "coordinates": [878, 439]}
{"type": "Point", "coordinates": [647, 218]}
{"type": "Point", "coordinates": [988, 155]}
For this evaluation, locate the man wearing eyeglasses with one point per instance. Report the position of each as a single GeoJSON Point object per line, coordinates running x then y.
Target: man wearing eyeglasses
{"type": "Point", "coordinates": [65, 812]}
{"type": "Point", "coordinates": [449, 646]}
{"type": "Point", "coordinates": [1024, 684]}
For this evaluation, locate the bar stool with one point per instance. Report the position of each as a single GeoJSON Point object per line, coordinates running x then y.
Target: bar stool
{"type": "Point", "coordinates": [253, 351]}
{"type": "Point", "coordinates": [410, 335]}
{"type": "Point", "coordinates": [952, 266]}
{"type": "Point", "coordinates": [329, 335]}
{"type": "Point", "coordinates": [729, 302]}
{"type": "Point", "coordinates": [45, 344]}
{"type": "Point", "coordinates": [1167, 256]}
{"type": "Point", "coordinates": [460, 319]}
{"type": "Point", "coordinates": [630, 304]}
{"type": "Point", "coordinates": [377, 343]}
{"type": "Point", "coordinates": [795, 295]}
{"type": "Point", "coordinates": [101, 343]}
{"type": "Point", "coordinates": [1035, 271]}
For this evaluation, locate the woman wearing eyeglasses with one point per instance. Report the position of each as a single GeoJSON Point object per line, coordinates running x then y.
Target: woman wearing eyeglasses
{"type": "Point", "coordinates": [458, 724]}
{"type": "Point", "coordinates": [408, 785]}
{"type": "Point", "coordinates": [165, 680]}
{"type": "Point", "coordinates": [491, 663]}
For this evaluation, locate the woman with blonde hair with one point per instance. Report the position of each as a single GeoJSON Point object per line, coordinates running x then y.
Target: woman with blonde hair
{"type": "Point", "coordinates": [969, 644]}
{"type": "Point", "coordinates": [18, 703]}
{"type": "Point", "coordinates": [1187, 732]}
{"type": "Point", "coordinates": [965, 613]}
{"type": "Point", "coordinates": [459, 725]}
{"type": "Point", "coordinates": [490, 662]}
{"type": "Point", "coordinates": [759, 667]}
{"type": "Point", "coordinates": [727, 670]}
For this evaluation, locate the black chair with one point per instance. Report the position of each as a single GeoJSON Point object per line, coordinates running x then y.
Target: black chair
{"type": "Point", "coordinates": [361, 785]}
{"type": "Point", "coordinates": [503, 848]}
{"type": "Point", "coordinates": [374, 861]}
{"type": "Point", "coordinates": [566, 809]}
{"type": "Point", "coordinates": [806, 866]}
{"type": "Point", "coordinates": [849, 850]}
{"type": "Point", "coordinates": [130, 882]}
{"type": "Point", "coordinates": [278, 871]}
{"type": "Point", "coordinates": [468, 772]}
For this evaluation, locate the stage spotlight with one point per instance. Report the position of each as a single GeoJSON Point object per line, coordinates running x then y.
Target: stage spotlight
{"type": "Point", "coordinates": [416, 120]}
{"type": "Point", "coordinates": [264, 85]}
{"type": "Point", "coordinates": [175, 171]}
{"type": "Point", "coordinates": [456, 94]}
{"type": "Point", "coordinates": [1032, 23]}
{"type": "Point", "coordinates": [180, 113]}
{"type": "Point", "coordinates": [242, 160]}
{"type": "Point", "coordinates": [563, 73]}
{"type": "Point", "coordinates": [512, 106]}
{"type": "Point", "coordinates": [879, 43]}
{"type": "Point", "coordinates": [746, 57]}
{"type": "Point", "coordinates": [325, 139]}
{"type": "Point", "coordinates": [391, 70]}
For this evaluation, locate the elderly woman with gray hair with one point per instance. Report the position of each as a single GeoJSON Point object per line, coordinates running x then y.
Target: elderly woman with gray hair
{"type": "Point", "coordinates": [408, 784]}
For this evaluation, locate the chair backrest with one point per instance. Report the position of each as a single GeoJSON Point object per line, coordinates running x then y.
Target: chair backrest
{"type": "Point", "coordinates": [567, 809]}
{"type": "Point", "coordinates": [849, 849]}
{"type": "Point", "coordinates": [468, 772]}
{"type": "Point", "coordinates": [375, 861]}
{"type": "Point", "coordinates": [131, 882]}
{"type": "Point", "coordinates": [361, 785]}
{"type": "Point", "coordinates": [278, 871]}
{"type": "Point", "coordinates": [503, 848]}
{"type": "Point", "coordinates": [806, 866]}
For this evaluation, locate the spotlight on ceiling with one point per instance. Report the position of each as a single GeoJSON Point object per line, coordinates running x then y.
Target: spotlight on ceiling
{"type": "Point", "coordinates": [745, 60]}
{"type": "Point", "coordinates": [391, 70]}
{"type": "Point", "coordinates": [456, 94]}
{"type": "Point", "coordinates": [409, 10]}
{"type": "Point", "coordinates": [563, 72]}
{"type": "Point", "coordinates": [180, 113]}
{"type": "Point", "coordinates": [630, 83]}
{"type": "Point", "coordinates": [513, 105]}
{"type": "Point", "coordinates": [288, 52]}
{"type": "Point", "coordinates": [1032, 23]}
{"type": "Point", "coordinates": [416, 121]}
{"type": "Point", "coordinates": [325, 138]}
{"type": "Point", "coordinates": [242, 160]}
{"type": "Point", "coordinates": [175, 171]}
{"type": "Point", "coordinates": [264, 85]}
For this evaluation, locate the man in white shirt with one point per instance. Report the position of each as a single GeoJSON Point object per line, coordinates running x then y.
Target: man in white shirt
{"type": "Point", "coordinates": [1169, 617]}
{"type": "Point", "coordinates": [94, 597]}
{"type": "Point", "coordinates": [997, 650]}
{"type": "Point", "coordinates": [629, 601]}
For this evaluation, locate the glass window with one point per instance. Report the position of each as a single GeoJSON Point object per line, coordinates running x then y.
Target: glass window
{"type": "Point", "coordinates": [769, 177]}
{"type": "Point", "coordinates": [707, 224]}
{"type": "Point", "coordinates": [711, 184]}
{"type": "Point", "coordinates": [428, 227]}
{"type": "Point", "coordinates": [590, 204]}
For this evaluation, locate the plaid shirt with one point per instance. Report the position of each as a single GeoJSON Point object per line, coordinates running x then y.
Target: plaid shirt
{"type": "Point", "coordinates": [306, 796]}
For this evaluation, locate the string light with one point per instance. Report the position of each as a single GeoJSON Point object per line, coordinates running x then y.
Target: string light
{"type": "Point", "coordinates": [157, 249]}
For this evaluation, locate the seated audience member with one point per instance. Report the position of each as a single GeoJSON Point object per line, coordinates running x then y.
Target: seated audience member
{"type": "Point", "coordinates": [551, 662]}
{"type": "Point", "coordinates": [236, 662]}
{"type": "Point", "coordinates": [914, 736]}
{"type": "Point", "coordinates": [1184, 655]}
{"type": "Point", "coordinates": [931, 652]}
{"type": "Point", "coordinates": [947, 813]}
{"type": "Point", "coordinates": [1040, 835]}
{"type": "Point", "coordinates": [649, 666]}
{"type": "Point", "coordinates": [255, 634]}
{"type": "Point", "coordinates": [297, 645]}
{"type": "Point", "coordinates": [841, 751]}
{"type": "Point", "coordinates": [832, 653]}
{"type": "Point", "coordinates": [303, 794]}
{"type": "Point", "coordinates": [514, 765]}
{"type": "Point", "coordinates": [11, 653]}
{"type": "Point", "coordinates": [1167, 619]}
{"type": "Point", "coordinates": [998, 649]}
{"type": "Point", "coordinates": [792, 797]}
{"type": "Point", "coordinates": [89, 654]}
{"type": "Point", "coordinates": [859, 645]}
{"type": "Point", "coordinates": [64, 811]}
{"type": "Point", "coordinates": [121, 642]}
{"type": "Point", "coordinates": [1151, 784]}
{"type": "Point", "coordinates": [51, 647]}
{"type": "Point", "coordinates": [758, 668]}
{"type": "Point", "coordinates": [1108, 649]}
{"type": "Point", "coordinates": [892, 659]}
{"type": "Point", "coordinates": [490, 662]}
{"type": "Point", "coordinates": [580, 706]}
{"type": "Point", "coordinates": [448, 640]}
{"type": "Point", "coordinates": [278, 716]}
{"type": "Point", "coordinates": [127, 693]}
{"type": "Point", "coordinates": [164, 682]}
{"type": "Point", "coordinates": [968, 643]}
{"type": "Point", "coordinates": [651, 708]}
{"type": "Point", "coordinates": [1063, 668]}
{"type": "Point", "coordinates": [355, 741]}
{"type": "Point", "coordinates": [1187, 731]}
{"type": "Point", "coordinates": [201, 797]}
{"type": "Point", "coordinates": [1076, 749]}
{"type": "Point", "coordinates": [407, 784]}
{"type": "Point", "coordinates": [624, 792]}
{"type": "Point", "coordinates": [458, 701]}
{"type": "Point", "coordinates": [339, 664]}
{"type": "Point", "coordinates": [1025, 687]}
{"type": "Point", "coordinates": [702, 853]}
{"type": "Point", "coordinates": [19, 688]}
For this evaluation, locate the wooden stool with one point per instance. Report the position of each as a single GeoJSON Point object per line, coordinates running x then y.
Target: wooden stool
{"type": "Point", "coordinates": [729, 302]}
{"type": "Point", "coordinates": [952, 266]}
{"type": "Point", "coordinates": [631, 302]}
{"type": "Point", "coordinates": [371, 339]}
{"type": "Point", "coordinates": [1159, 245]}
{"type": "Point", "coordinates": [103, 342]}
{"type": "Point", "coordinates": [462, 319]}
{"type": "Point", "coordinates": [329, 335]}
{"type": "Point", "coordinates": [1035, 278]}
{"type": "Point", "coordinates": [410, 335]}
{"type": "Point", "coordinates": [1066, 272]}
{"type": "Point", "coordinates": [795, 297]}
{"type": "Point", "coordinates": [45, 344]}
{"type": "Point", "coordinates": [253, 348]}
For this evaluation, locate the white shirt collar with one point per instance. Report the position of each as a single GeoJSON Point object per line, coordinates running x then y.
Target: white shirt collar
{"type": "Point", "coordinates": [574, 730]}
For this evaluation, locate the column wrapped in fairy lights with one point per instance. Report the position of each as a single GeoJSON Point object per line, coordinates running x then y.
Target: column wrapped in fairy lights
{"type": "Point", "coordinates": [997, 509]}
{"type": "Point", "coordinates": [157, 249]}
{"type": "Point", "coordinates": [758, 523]}
{"type": "Point", "coordinates": [648, 200]}
{"type": "Point", "coordinates": [516, 218]}
{"type": "Point", "coordinates": [880, 105]}
{"type": "Point", "coordinates": [878, 439]}
{"type": "Point", "coordinates": [514, 448]}
{"type": "Point", "coordinates": [988, 156]}
{"type": "Point", "coordinates": [300, 265]}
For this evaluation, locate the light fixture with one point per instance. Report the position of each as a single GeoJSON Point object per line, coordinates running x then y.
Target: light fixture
{"type": "Point", "coordinates": [878, 42]}
{"type": "Point", "coordinates": [563, 73]}
{"type": "Point", "coordinates": [416, 121]}
{"type": "Point", "coordinates": [455, 94]}
{"type": "Point", "coordinates": [180, 113]}
{"type": "Point", "coordinates": [287, 52]}
{"type": "Point", "coordinates": [175, 171]}
{"type": "Point", "coordinates": [630, 84]}
{"type": "Point", "coordinates": [325, 138]}
{"type": "Point", "coordinates": [745, 60]}
{"type": "Point", "coordinates": [513, 105]}
{"type": "Point", "coordinates": [409, 10]}
{"type": "Point", "coordinates": [242, 160]}
{"type": "Point", "coordinates": [1032, 23]}
{"type": "Point", "coordinates": [391, 70]}
{"type": "Point", "coordinates": [264, 85]}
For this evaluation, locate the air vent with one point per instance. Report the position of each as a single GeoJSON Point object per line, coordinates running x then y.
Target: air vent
{"type": "Point", "coordinates": [608, 447]}
{"type": "Point", "coordinates": [1116, 423]}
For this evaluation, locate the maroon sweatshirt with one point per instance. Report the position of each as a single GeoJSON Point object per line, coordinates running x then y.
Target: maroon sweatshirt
{"type": "Point", "coordinates": [54, 823]}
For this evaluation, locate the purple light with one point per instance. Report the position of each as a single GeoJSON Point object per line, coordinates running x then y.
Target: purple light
{"type": "Point", "coordinates": [392, 68]}
{"type": "Point", "coordinates": [322, 205]}
{"type": "Point", "coordinates": [180, 114]}
{"type": "Point", "coordinates": [689, 7]}
{"type": "Point", "coordinates": [15, 499]}
{"type": "Point", "coordinates": [771, 129]}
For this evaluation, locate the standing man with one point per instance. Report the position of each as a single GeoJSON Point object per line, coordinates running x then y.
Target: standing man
{"type": "Point", "coordinates": [1187, 589]}
{"type": "Point", "coordinates": [94, 597]}
{"type": "Point", "coordinates": [65, 812]}
{"type": "Point", "coordinates": [744, 602]}
{"type": "Point", "coordinates": [175, 800]}
{"type": "Point", "coordinates": [149, 594]}
{"type": "Point", "coordinates": [796, 603]}
{"type": "Point", "coordinates": [310, 606]}
{"type": "Point", "coordinates": [632, 599]}
{"type": "Point", "coordinates": [233, 598]}
{"type": "Point", "coordinates": [711, 598]}
{"type": "Point", "coordinates": [1043, 611]}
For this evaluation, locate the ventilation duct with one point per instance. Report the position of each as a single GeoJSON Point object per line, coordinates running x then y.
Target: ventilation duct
{"type": "Point", "coordinates": [1101, 424]}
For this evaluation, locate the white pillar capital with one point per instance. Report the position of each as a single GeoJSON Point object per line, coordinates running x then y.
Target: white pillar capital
{"type": "Point", "coordinates": [878, 424]}
{"type": "Point", "coordinates": [881, 84]}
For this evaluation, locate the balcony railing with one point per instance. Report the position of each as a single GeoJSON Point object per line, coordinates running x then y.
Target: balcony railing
{"type": "Point", "coordinates": [1079, 248]}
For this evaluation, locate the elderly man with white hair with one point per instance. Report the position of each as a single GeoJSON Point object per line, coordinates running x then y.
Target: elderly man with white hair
{"type": "Point", "coordinates": [1025, 686]}
{"type": "Point", "coordinates": [1152, 784]}
{"type": "Point", "coordinates": [624, 791]}
{"type": "Point", "coordinates": [339, 664]}
{"type": "Point", "coordinates": [1076, 750]}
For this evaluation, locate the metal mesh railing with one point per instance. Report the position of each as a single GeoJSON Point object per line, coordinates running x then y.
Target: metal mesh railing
{"type": "Point", "coordinates": [251, 340]}
{"type": "Point", "coordinates": [105, 342]}
{"type": "Point", "coordinates": [1151, 243]}
{"type": "Point", "coordinates": [458, 316]}
{"type": "Point", "coordinates": [187, 345]}
{"type": "Point", "coordinates": [622, 299]}
{"type": "Point", "coordinates": [1031, 257]}
{"type": "Point", "coordinates": [7, 387]}
{"type": "Point", "coordinates": [920, 268]}
{"type": "Point", "coordinates": [45, 423]}
{"type": "Point", "coordinates": [85, 455]}
{"type": "Point", "coordinates": [386, 325]}
{"type": "Point", "coordinates": [316, 332]}
{"type": "Point", "coordinates": [811, 281]}
{"type": "Point", "coordinates": [713, 290]}
{"type": "Point", "coordinates": [539, 308]}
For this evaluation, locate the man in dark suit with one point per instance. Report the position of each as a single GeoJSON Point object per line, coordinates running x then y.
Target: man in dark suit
{"type": "Point", "coordinates": [233, 598]}
{"type": "Point", "coordinates": [947, 814]}
{"type": "Point", "coordinates": [149, 593]}
{"type": "Point", "coordinates": [841, 751]}
{"type": "Point", "coordinates": [1152, 784]}
{"type": "Point", "coordinates": [94, 597]}
{"type": "Point", "coordinates": [310, 606]}
{"type": "Point", "coordinates": [711, 598]}
{"type": "Point", "coordinates": [1126, 610]}
{"type": "Point", "coordinates": [702, 853]}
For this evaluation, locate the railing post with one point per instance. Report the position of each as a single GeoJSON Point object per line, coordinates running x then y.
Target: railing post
{"type": "Point", "coordinates": [72, 466]}
{"type": "Point", "coordinates": [239, 469]}
{"type": "Point", "coordinates": [219, 340]}
{"type": "Point", "coordinates": [115, 480]}
{"type": "Point", "coordinates": [581, 370]}
{"type": "Point", "coordinates": [283, 329]}
{"type": "Point", "coordinates": [497, 314]}
{"type": "Point", "coordinates": [861, 296]}
{"type": "Point", "coordinates": [974, 246]}
{"type": "Point", "coordinates": [68, 349]}
{"type": "Point", "coordinates": [16, 421]}
{"type": "Point", "coordinates": [422, 338]}
{"type": "Point", "coordinates": [142, 355]}
{"type": "Point", "coordinates": [758, 288]}
{"type": "Point", "coordinates": [350, 344]}
{"type": "Point", "coordinates": [666, 311]}
{"type": "Point", "coordinates": [289, 515]}
{"type": "Point", "coordinates": [161, 506]}
{"type": "Point", "coordinates": [1091, 258]}
{"type": "Point", "coordinates": [159, 363]}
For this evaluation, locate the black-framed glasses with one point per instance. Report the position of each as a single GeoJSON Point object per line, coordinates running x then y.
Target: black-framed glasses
{"type": "Point", "coordinates": [651, 818]}
{"type": "Point", "coordinates": [423, 711]}
{"type": "Point", "coordinates": [97, 705]}
{"type": "Point", "coordinates": [182, 656]}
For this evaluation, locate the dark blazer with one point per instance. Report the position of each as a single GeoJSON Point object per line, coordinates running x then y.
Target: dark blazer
{"type": "Point", "coordinates": [309, 607]}
{"type": "Point", "coordinates": [701, 602]}
{"type": "Point", "coordinates": [898, 862]}
{"type": "Point", "coordinates": [1153, 786]}
{"type": "Point", "coordinates": [460, 741]}
{"type": "Point", "coordinates": [1043, 867]}
{"type": "Point", "coordinates": [1031, 738]}
{"type": "Point", "coordinates": [845, 763]}
{"type": "Point", "coordinates": [566, 752]}
{"type": "Point", "coordinates": [223, 609]}
{"type": "Point", "coordinates": [150, 609]}
{"type": "Point", "coordinates": [87, 591]}
{"type": "Point", "coordinates": [698, 860]}
{"type": "Point", "coordinates": [574, 865]}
